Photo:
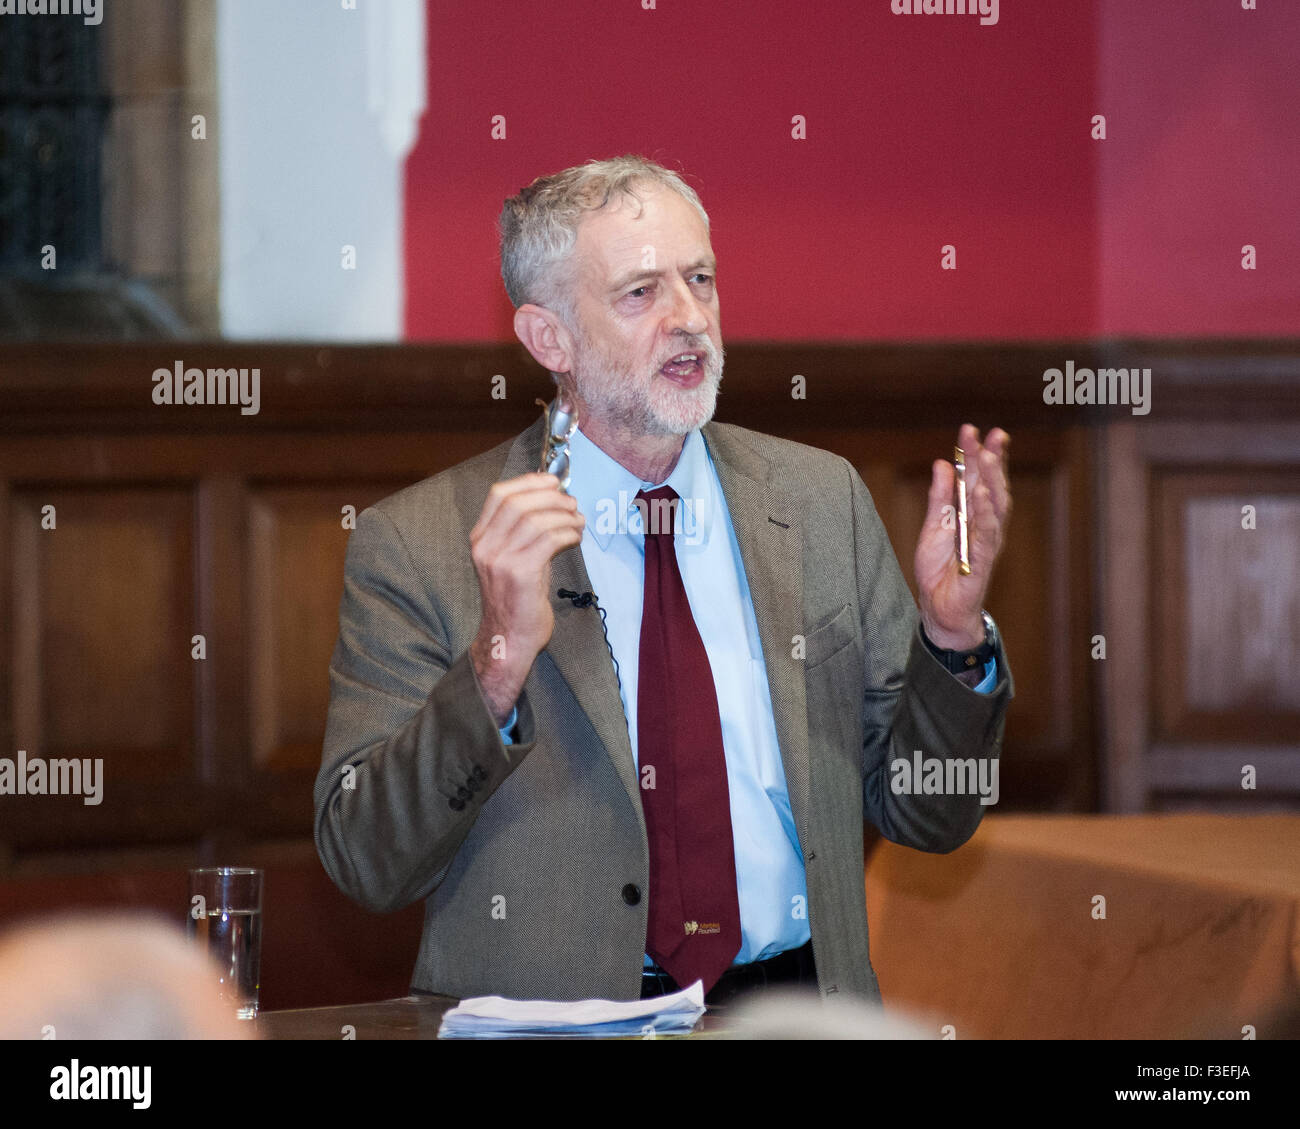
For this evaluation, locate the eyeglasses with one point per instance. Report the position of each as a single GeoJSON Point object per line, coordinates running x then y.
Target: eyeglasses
{"type": "Point", "coordinates": [561, 423]}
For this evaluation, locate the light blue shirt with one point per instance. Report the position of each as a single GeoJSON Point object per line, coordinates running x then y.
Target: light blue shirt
{"type": "Point", "coordinates": [770, 876]}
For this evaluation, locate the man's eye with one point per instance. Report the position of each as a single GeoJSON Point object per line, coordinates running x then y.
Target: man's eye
{"type": "Point", "coordinates": [638, 291]}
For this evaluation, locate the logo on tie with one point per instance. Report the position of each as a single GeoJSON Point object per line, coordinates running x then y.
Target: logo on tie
{"type": "Point", "coordinates": [694, 928]}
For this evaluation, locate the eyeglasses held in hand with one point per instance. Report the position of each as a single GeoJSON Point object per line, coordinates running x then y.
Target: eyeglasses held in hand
{"type": "Point", "coordinates": [561, 423]}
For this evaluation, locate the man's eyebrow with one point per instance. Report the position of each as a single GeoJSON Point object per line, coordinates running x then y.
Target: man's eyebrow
{"type": "Point", "coordinates": [708, 262]}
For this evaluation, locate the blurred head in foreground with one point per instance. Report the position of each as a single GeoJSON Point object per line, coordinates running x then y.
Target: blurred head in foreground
{"type": "Point", "coordinates": [801, 1014]}
{"type": "Point", "coordinates": [108, 976]}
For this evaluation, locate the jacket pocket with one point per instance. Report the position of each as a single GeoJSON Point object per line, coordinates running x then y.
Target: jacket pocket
{"type": "Point", "coordinates": [827, 640]}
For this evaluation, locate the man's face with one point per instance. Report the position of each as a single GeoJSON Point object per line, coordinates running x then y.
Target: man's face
{"type": "Point", "coordinates": [645, 294]}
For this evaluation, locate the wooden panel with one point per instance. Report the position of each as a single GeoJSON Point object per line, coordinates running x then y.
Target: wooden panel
{"type": "Point", "coordinates": [107, 597]}
{"type": "Point", "coordinates": [1243, 642]}
{"type": "Point", "coordinates": [1218, 770]}
{"type": "Point", "coordinates": [296, 552]}
{"type": "Point", "coordinates": [1227, 606]}
{"type": "Point", "coordinates": [1122, 569]}
{"type": "Point", "coordinates": [51, 388]}
{"type": "Point", "coordinates": [1200, 614]}
{"type": "Point", "coordinates": [104, 616]}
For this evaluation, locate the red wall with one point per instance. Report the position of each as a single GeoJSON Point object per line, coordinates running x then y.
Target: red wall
{"type": "Point", "coordinates": [922, 130]}
{"type": "Point", "coordinates": [1203, 101]}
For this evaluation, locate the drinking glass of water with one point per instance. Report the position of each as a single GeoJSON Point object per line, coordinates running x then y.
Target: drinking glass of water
{"type": "Point", "coordinates": [225, 920]}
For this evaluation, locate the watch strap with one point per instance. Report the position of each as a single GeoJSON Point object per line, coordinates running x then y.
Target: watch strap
{"type": "Point", "coordinates": [958, 662]}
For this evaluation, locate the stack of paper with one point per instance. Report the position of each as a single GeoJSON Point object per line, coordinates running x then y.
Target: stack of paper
{"type": "Point", "coordinates": [495, 1017]}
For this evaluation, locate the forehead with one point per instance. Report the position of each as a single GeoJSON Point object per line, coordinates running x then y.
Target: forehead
{"type": "Point", "coordinates": [614, 238]}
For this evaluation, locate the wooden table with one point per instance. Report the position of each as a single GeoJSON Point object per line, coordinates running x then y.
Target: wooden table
{"type": "Point", "coordinates": [1095, 927]}
{"type": "Point", "coordinates": [410, 1017]}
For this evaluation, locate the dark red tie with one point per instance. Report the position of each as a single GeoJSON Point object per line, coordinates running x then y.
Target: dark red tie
{"type": "Point", "coordinates": [694, 919]}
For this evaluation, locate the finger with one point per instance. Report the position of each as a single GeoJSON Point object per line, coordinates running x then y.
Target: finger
{"type": "Point", "coordinates": [985, 525]}
{"type": "Point", "coordinates": [550, 537]}
{"type": "Point", "coordinates": [512, 487]}
{"type": "Point", "coordinates": [996, 470]}
{"type": "Point", "coordinates": [993, 477]}
{"type": "Point", "coordinates": [528, 537]}
{"type": "Point", "coordinates": [561, 512]}
{"type": "Point", "coordinates": [999, 442]}
{"type": "Point", "coordinates": [516, 506]}
{"type": "Point", "coordinates": [943, 478]}
{"type": "Point", "coordinates": [506, 539]}
{"type": "Point", "coordinates": [502, 492]}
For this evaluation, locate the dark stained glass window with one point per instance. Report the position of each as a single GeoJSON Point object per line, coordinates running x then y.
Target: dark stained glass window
{"type": "Point", "coordinates": [52, 115]}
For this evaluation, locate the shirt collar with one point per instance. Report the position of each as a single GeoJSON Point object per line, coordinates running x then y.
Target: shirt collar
{"type": "Point", "coordinates": [605, 490]}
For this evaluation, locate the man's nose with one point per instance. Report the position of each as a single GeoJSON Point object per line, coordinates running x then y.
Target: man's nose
{"type": "Point", "coordinates": [687, 313]}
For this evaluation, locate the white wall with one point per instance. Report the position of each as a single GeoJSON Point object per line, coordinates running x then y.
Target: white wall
{"type": "Point", "coordinates": [318, 108]}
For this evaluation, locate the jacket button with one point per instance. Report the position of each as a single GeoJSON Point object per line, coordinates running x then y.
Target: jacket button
{"type": "Point", "coordinates": [480, 773]}
{"type": "Point", "coordinates": [456, 805]}
{"type": "Point", "coordinates": [631, 894]}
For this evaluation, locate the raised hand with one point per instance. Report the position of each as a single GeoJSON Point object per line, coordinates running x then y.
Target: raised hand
{"type": "Point", "coordinates": [524, 523]}
{"type": "Point", "coordinates": [950, 603]}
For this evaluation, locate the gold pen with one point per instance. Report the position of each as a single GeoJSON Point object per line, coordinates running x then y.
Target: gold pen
{"type": "Point", "coordinates": [963, 545]}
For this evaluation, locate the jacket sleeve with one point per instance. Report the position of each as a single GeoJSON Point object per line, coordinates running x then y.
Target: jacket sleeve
{"type": "Point", "coordinates": [911, 703]}
{"type": "Point", "coordinates": [411, 750]}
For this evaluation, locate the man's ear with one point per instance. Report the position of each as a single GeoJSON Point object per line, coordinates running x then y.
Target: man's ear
{"type": "Point", "coordinates": [545, 337]}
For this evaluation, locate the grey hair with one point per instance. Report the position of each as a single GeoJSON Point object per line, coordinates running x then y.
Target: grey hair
{"type": "Point", "coordinates": [539, 227]}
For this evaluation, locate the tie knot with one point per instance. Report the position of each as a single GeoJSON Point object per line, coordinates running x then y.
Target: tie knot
{"type": "Point", "coordinates": [659, 492]}
{"type": "Point", "coordinates": [658, 510]}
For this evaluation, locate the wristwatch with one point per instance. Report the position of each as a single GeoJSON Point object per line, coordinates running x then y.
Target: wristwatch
{"type": "Point", "coordinates": [958, 662]}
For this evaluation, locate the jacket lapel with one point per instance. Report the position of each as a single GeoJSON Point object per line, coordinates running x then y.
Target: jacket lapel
{"type": "Point", "coordinates": [770, 534]}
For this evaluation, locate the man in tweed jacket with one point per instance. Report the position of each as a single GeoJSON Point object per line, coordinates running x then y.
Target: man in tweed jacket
{"type": "Point", "coordinates": [480, 749]}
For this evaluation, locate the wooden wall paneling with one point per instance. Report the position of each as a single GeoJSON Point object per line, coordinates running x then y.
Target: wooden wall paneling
{"type": "Point", "coordinates": [1244, 638]}
{"type": "Point", "coordinates": [220, 679]}
{"type": "Point", "coordinates": [1121, 569]}
{"type": "Point", "coordinates": [1196, 775]}
{"type": "Point", "coordinates": [1228, 613]}
{"type": "Point", "coordinates": [7, 637]}
{"type": "Point", "coordinates": [105, 387]}
{"type": "Point", "coordinates": [102, 665]}
{"type": "Point", "coordinates": [1172, 592]}
{"type": "Point", "coordinates": [296, 549]}
{"type": "Point", "coordinates": [1074, 541]}
{"type": "Point", "coordinates": [24, 595]}
{"type": "Point", "coordinates": [81, 417]}
{"type": "Point", "coordinates": [1228, 606]}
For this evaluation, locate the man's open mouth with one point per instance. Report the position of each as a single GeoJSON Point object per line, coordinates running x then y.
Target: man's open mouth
{"type": "Point", "coordinates": [685, 366]}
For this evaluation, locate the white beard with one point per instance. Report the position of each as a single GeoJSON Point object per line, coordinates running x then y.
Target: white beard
{"type": "Point", "coordinates": [649, 404]}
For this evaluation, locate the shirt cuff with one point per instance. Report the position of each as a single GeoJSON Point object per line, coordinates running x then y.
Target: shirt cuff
{"type": "Point", "coordinates": [986, 684]}
{"type": "Point", "coordinates": [514, 716]}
